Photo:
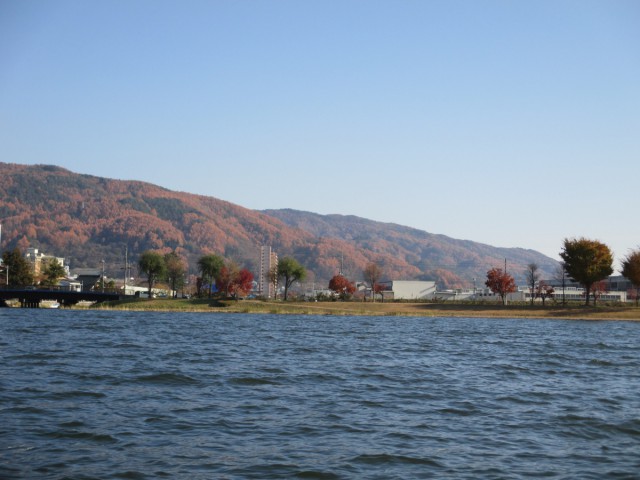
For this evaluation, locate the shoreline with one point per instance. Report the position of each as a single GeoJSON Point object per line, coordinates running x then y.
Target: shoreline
{"type": "Point", "coordinates": [400, 309]}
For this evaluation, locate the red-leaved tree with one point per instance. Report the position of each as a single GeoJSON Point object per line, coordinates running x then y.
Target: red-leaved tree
{"type": "Point", "coordinates": [225, 278]}
{"type": "Point", "coordinates": [234, 282]}
{"type": "Point", "coordinates": [242, 283]}
{"type": "Point", "coordinates": [341, 286]}
{"type": "Point", "coordinates": [500, 283]}
{"type": "Point", "coordinates": [379, 289]}
{"type": "Point", "coordinates": [597, 289]}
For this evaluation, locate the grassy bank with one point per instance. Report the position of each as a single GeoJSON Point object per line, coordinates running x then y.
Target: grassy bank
{"type": "Point", "coordinates": [387, 309]}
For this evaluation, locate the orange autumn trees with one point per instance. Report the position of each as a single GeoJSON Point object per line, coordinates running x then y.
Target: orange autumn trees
{"type": "Point", "coordinates": [500, 283]}
{"type": "Point", "coordinates": [233, 281]}
{"type": "Point", "coordinates": [341, 286]}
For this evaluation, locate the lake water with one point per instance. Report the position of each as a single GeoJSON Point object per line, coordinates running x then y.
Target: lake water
{"type": "Point", "coordinates": [112, 395]}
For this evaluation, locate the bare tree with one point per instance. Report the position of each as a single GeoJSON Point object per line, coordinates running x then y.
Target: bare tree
{"type": "Point", "coordinates": [598, 289]}
{"type": "Point", "coordinates": [561, 277]}
{"type": "Point", "coordinates": [544, 291]}
{"type": "Point", "coordinates": [372, 273]}
{"type": "Point", "coordinates": [532, 276]}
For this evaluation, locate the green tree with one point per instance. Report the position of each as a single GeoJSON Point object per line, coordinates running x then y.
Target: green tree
{"type": "Point", "coordinates": [210, 267]}
{"type": "Point", "coordinates": [176, 269]}
{"type": "Point", "coordinates": [290, 271]}
{"type": "Point", "coordinates": [109, 285]}
{"type": "Point", "coordinates": [587, 262]}
{"type": "Point", "coordinates": [20, 273]}
{"type": "Point", "coordinates": [631, 270]}
{"type": "Point", "coordinates": [152, 265]}
{"type": "Point", "coordinates": [53, 272]}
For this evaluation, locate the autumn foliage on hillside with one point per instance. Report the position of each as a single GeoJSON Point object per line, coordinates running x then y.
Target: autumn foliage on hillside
{"type": "Point", "coordinates": [87, 219]}
{"type": "Point", "coordinates": [452, 263]}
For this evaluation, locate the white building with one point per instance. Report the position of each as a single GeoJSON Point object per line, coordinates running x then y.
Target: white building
{"type": "Point", "coordinates": [455, 295]}
{"type": "Point", "coordinates": [409, 290]}
{"type": "Point", "coordinates": [268, 264]}
{"type": "Point", "coordinates": [487, 295]}
{"type": "Point", "coordinates": [616, 289]}
{"type": "Point", "coordinates": [572, 294]}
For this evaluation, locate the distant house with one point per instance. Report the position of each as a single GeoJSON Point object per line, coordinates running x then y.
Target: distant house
{"type": "Point", "coordinates": [88, 278]}
{"type": "Point", "coordinates": [70, 284]}
{"type": "Point", "coordinates": [143, 292]}
{"type": "Point", "coordinates": [39, 261]}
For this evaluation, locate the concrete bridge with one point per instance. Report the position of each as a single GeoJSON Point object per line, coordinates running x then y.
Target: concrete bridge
{"type": "Point", "coordinates": [32, 297]}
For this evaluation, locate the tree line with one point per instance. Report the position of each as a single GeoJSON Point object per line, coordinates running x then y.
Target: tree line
{"type": "Point", "coordinates": [585, 261]}
{"type": "Point", "coordinates": [588, 262]}
{"type": "Point", "coordinates": [227, 277]}
{"type": "Point", "coordinates": [232, 281]}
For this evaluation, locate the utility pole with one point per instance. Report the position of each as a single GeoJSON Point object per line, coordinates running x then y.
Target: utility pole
{"type": "Point", "coordinates": [103, 275]}
{"type": "Point", "coordinates": [126, 268]}
{"type": "Point", "coordinates": [564, 271]}
{"type": "Point", "coordinates": [506, 301]}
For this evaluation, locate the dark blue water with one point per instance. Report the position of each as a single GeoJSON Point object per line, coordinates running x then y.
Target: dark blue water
{"type": "Point", "coordinates": [107, 395]}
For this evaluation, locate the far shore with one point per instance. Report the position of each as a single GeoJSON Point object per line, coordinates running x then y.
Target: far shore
{"type": "Point", "coordinates": [573, 312]}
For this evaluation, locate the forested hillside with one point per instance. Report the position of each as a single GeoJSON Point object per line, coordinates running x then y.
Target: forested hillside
{"type": "Point", "coordinates": [435, 256]}
{"type": "Point", "coordinates": [88, 219]}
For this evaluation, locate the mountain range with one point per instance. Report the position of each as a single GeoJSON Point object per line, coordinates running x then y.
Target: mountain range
{"type": "Point", "coordinates": [88, 219]}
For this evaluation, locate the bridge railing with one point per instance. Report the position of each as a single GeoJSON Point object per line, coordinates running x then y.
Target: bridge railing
{"type": "Point", "coordinates": [56, 288]}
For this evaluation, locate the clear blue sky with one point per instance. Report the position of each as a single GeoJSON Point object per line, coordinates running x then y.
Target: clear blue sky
{"type": "Point", "coordinates": [513, 123]}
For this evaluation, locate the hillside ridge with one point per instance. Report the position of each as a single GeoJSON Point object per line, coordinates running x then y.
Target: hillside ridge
{"type": "Point", "coordinates": [87, 219]}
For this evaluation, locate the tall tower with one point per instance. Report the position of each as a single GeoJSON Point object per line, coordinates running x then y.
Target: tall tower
{"type": "Point", "coordinates": [268, 263]}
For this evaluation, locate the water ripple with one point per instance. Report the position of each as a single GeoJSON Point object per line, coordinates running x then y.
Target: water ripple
{"type": "Point", "coordinates": [141, 395]}
{"type": "Point", "coordinates": [166, 379]}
